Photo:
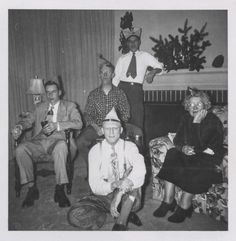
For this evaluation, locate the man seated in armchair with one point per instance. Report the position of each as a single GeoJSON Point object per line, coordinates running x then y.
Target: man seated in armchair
{"type": "Point", "coordinates": [49, 120]}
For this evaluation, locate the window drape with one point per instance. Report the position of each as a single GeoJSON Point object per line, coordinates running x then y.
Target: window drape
{"type": "Point", "coordinates": [62, 43]}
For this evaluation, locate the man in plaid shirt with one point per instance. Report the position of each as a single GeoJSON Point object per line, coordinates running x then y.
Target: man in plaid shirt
{"type": "Point", "coordinates": [99, 103]}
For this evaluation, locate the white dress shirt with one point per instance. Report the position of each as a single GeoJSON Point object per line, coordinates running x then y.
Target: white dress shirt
{"type": "Point", "coordinates": [143, 60]}
{"type": "Point", "coordinates": [55, 110]}
{"type": "Point", "coordinates": [100, 168]}
{"type": "Point", "coordinates": [54, 117]}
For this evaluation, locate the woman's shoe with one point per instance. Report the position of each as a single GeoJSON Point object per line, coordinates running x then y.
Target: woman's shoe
{"type": "Point", "coordinates": [180, 214]}
{"type": "Point", "coordinates": [164, 208]}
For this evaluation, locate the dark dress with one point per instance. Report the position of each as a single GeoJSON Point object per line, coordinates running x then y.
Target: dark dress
{"type": "Point", "coordinates": [196, 173]}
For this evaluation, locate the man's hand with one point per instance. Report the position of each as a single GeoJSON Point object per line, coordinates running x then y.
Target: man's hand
{"type": "Point", "coordinates": [16, 132]}
{"type": "Point", "coordinates": [188, 150]}
{"type": "Point", "coordinates": [149, 76]}
{"type": "Point", "coordinates": [115, 184]}
{"type": "Point", "coordinates": [200, 116]}
{"type": "Point", "coordinates": [49, 128]}
{"type": "Point", "coordinates": [97, 129]}
{"type": "Point", "coordinates": [126, 185]}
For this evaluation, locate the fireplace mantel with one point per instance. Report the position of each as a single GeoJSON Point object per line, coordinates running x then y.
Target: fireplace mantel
{"type": "Point", "coordinates": [206, 79]}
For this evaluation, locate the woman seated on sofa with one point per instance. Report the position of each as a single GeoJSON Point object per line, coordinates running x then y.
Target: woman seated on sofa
{"type": "Point", "coordinates": [192, 164]}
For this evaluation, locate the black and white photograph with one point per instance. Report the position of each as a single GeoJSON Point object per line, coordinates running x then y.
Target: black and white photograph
{"type": "Point", "coordinates": [117, 119]}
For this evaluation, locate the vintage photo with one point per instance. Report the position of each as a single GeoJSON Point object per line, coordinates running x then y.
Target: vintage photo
{"type": "Point", "coordinates": [118, 120]}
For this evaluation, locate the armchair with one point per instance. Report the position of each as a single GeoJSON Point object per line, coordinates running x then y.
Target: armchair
{"type": "Point", "coordinates": [47, 159]}
{"type": "Point", "coordinates": [134, 134]}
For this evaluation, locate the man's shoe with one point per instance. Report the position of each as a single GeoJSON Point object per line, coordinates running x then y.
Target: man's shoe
{"type": "Point", "coordinates": [60, 197]}
{"type": "Point", "coordinates": [164, 208]}
{"type": "Point", "coordinates": [180, 214]}
{"type": "Point", "coordinates": [31, 196]}
{"type": "Point", "coordinates": [119, 227]}
{"type": "Point", "coordinates": [134, 219]}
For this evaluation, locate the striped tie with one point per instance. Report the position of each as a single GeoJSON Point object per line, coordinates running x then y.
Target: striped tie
{"type": "Point", "coordinates": [115, 164]}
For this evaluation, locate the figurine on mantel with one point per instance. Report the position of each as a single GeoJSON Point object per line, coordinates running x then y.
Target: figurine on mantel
{"type": "Point", "coordinates": [218, 61]}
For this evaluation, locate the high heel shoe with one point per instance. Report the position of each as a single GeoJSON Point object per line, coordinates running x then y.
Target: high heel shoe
{"type": "Point", "coordinates": [180, 214]}
{"type": "Point", "coordinates": [164, 208]}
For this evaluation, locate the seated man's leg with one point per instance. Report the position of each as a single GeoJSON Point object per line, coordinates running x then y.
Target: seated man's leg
{"type": "Point", "coordinates": [25, 154]}
{"type": "Point", "coordinates": [131, 202]}
{"type": "Point", "coordinates": [59, 154]}
{"type": "Point", "coordinates": [86, 138]}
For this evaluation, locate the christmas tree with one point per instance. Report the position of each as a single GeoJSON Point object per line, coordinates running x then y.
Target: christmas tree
{"type": "Point", "coordinates": [183, 51]}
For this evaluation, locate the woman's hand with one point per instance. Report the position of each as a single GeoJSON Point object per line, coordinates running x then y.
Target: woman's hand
{"type": "Point", "coordinates": [200, 116]}
{"type": "Point", "coordinates": [188, 150]}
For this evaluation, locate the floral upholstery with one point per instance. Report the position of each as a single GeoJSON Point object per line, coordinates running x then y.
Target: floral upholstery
{"type": "Point", "coordinates": [215, 201]}
{"type": "Point", "coordinates": [222, 113]}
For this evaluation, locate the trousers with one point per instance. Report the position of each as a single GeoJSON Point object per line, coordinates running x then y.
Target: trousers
{"type": "Point", "coordinates": [136, 193]}
{"type": "Point", "coordinates": [34, 150]}
{"type": "Point", "coordinates": [135, 96]}
{"type": "Point", "coordinates": [84, 142]}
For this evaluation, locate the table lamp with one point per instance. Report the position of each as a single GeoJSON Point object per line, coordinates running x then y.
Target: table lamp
{"type": "Point", "coordinates": [36, 89]}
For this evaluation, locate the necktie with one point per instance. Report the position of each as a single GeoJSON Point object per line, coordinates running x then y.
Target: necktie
{"type": "Point", "coordinates": [132, 67]}
{"type": "Point", "coordinates": [50, 114]}
{"type": "Point", "coordinates": [115, 164]}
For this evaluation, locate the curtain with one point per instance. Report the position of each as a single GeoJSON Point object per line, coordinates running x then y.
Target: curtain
{"type": "Point", "coordinates": [50, 43]}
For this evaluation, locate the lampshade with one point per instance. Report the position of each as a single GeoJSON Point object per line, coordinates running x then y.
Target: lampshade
{"type": "Point", "coordinates": [36, 86]}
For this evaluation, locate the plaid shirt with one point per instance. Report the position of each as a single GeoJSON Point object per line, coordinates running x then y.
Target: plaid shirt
{"type": "Point", "coordinates": [99, 105]}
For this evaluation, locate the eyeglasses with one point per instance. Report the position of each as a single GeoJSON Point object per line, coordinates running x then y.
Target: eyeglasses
{"type": "Point", "coordinates": [199, 105]}
{"type": "Point", "coordinates": [111, 128]}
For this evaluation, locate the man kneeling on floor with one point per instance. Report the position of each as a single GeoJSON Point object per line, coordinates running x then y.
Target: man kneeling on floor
{"type": "Point", "coordinates": [116, 173]}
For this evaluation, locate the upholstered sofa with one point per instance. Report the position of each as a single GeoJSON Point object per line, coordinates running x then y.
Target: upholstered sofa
{"type": "Point", "coordinates": [215, 201]}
